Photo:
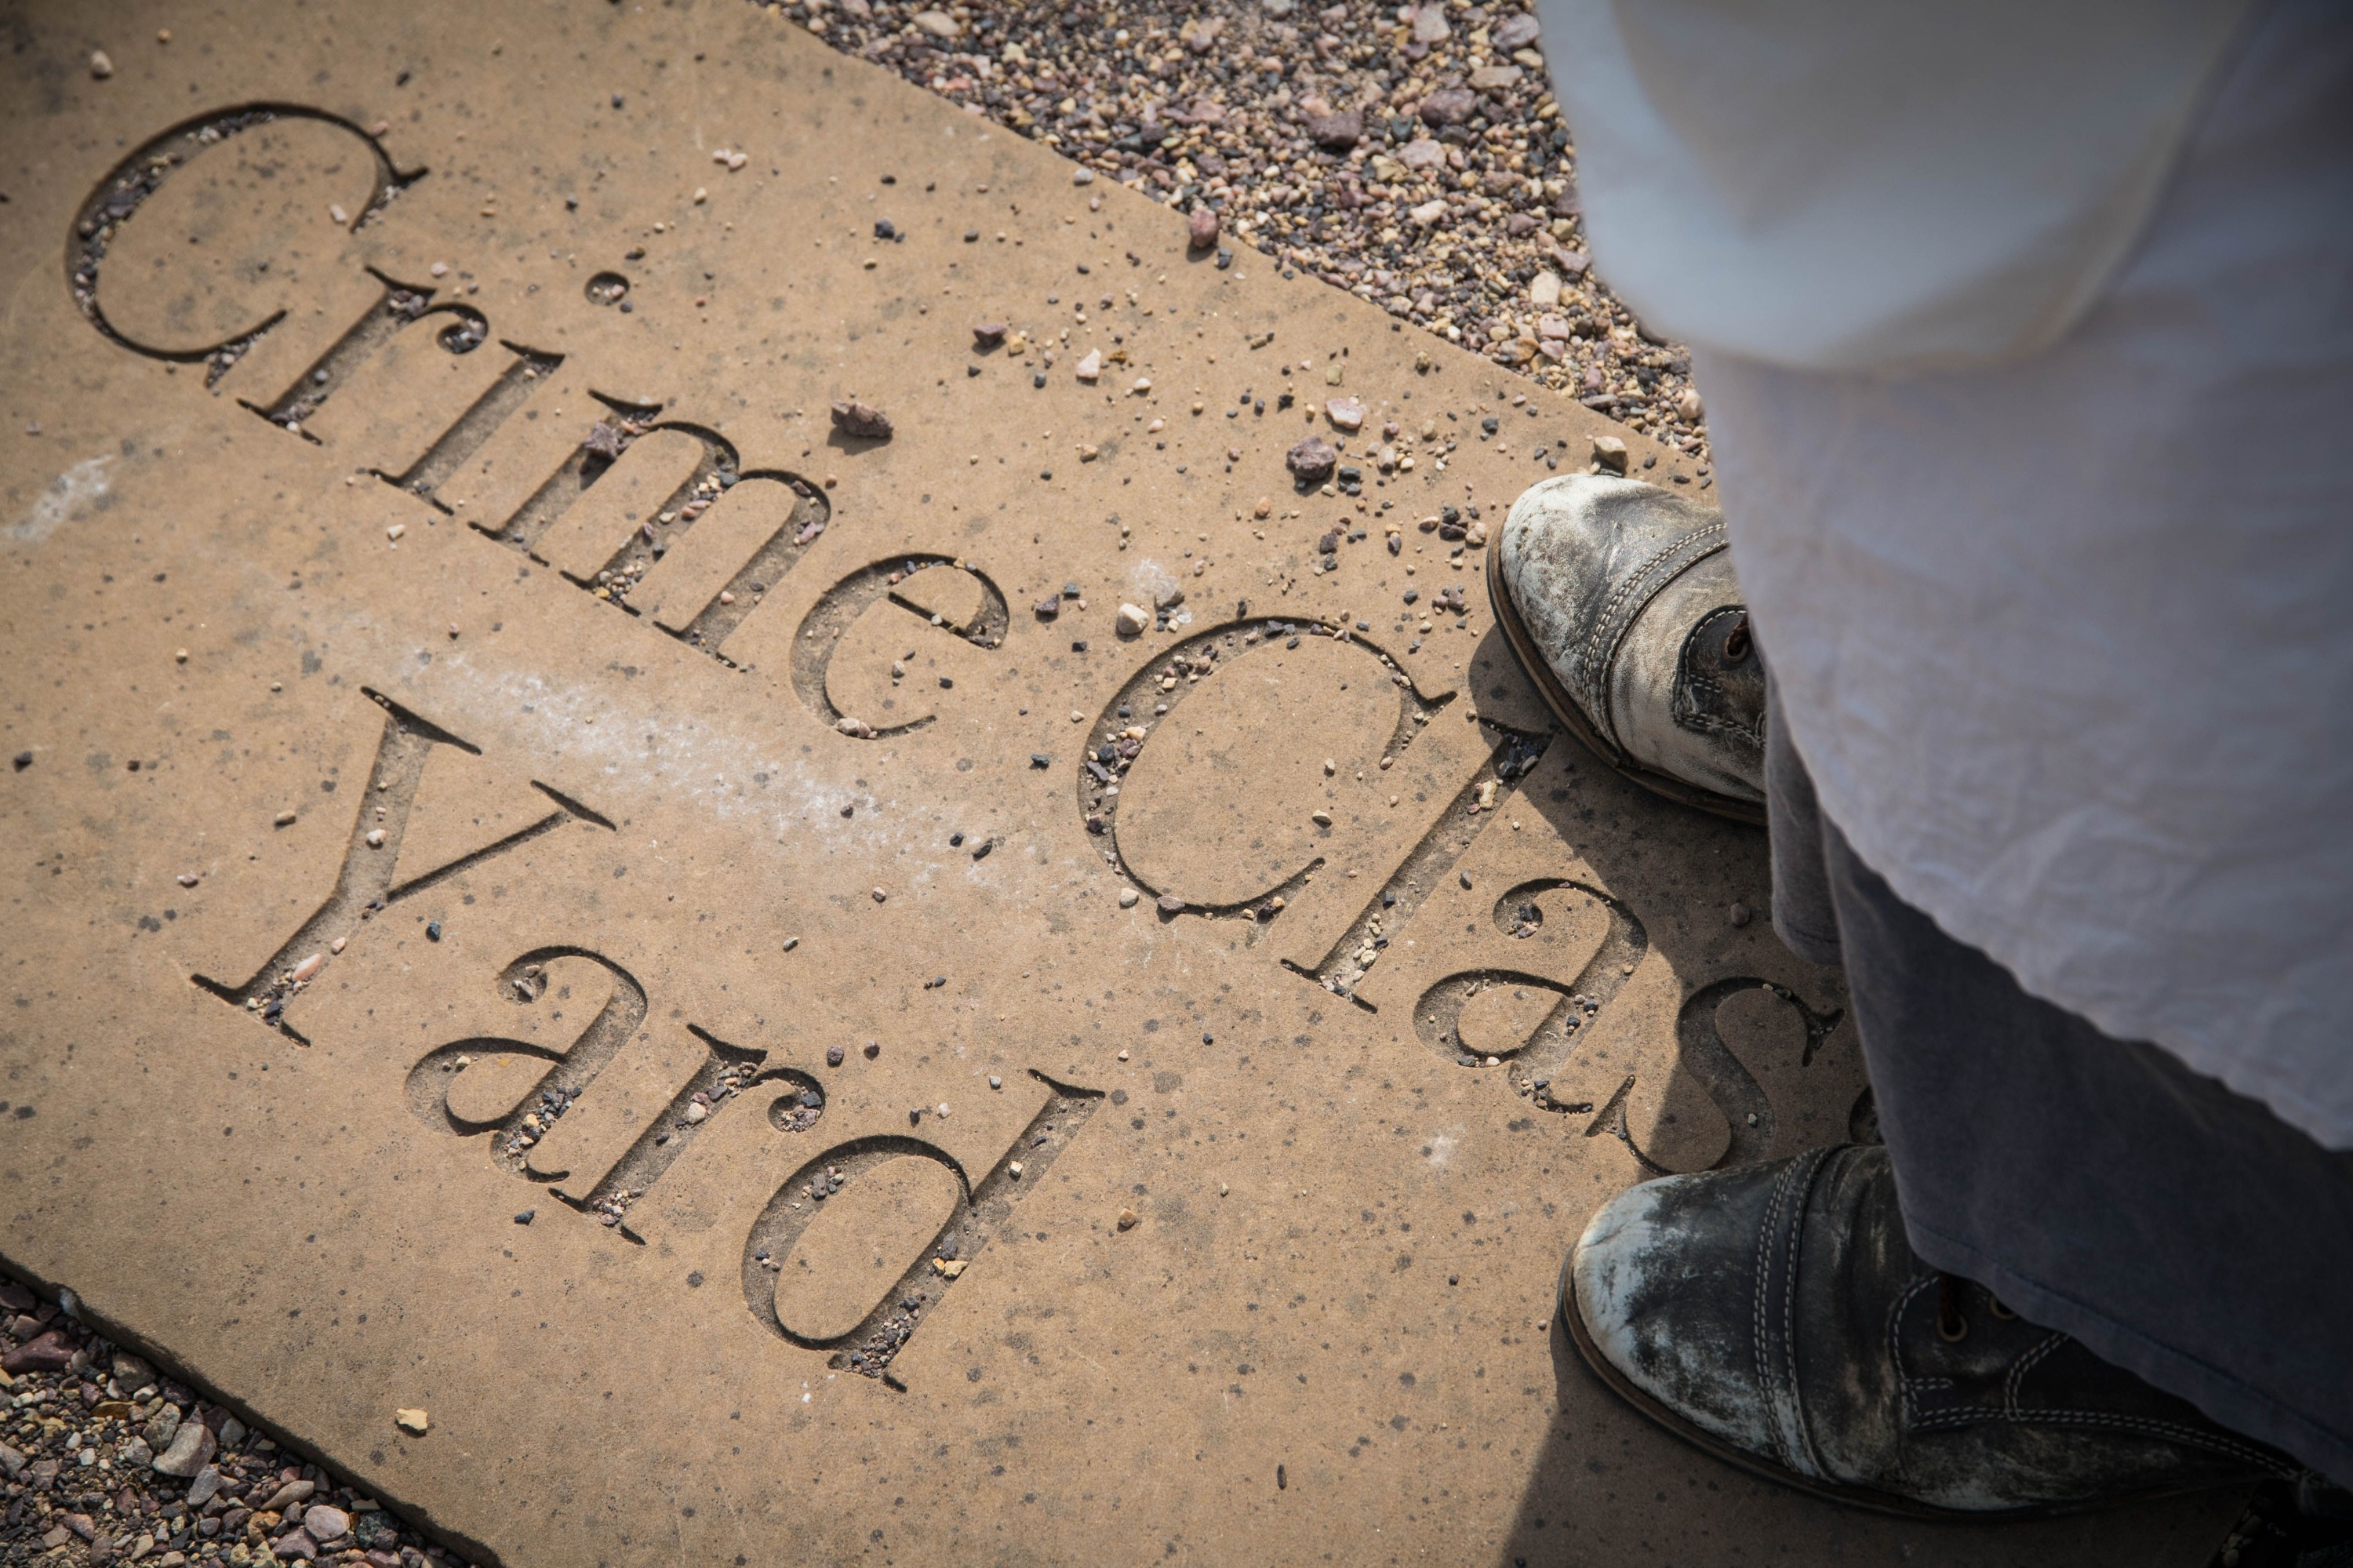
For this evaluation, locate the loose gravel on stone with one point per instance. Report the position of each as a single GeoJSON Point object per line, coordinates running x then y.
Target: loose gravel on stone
{"type": "Point", "coordinates": [104, 1459]}
{"type": "Point", "coordinates": [1412, 156]}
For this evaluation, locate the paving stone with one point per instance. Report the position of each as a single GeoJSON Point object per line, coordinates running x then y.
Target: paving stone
{"type": "Point", "coordinates": [632, 856]}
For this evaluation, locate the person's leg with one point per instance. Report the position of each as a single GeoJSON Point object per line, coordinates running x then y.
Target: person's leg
{"type": "Point", "coordinates": [1880, 1324]}
{"type": "Point", "coordinates": [2101, 1188]}
{"type": "Point", "coordinates": [1805, 913]}
{"type": "Point", "coordinates": [1782, 1315]}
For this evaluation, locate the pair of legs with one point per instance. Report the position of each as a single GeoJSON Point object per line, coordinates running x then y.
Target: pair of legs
{"type": "Point", "coordinates": [2076, 1273]}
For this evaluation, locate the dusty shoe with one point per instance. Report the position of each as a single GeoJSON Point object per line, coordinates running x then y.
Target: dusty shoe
{"type": "Point", "coordinates": [1619, 599]}
{"type": "Point", "coordinates": [1775, 1316]}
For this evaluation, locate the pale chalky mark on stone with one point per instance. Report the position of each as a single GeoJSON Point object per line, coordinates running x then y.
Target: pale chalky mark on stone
{"type": "Point", "coordinates": [852, 1252]}
{"type": "Point", "coordinates": [627, 496]}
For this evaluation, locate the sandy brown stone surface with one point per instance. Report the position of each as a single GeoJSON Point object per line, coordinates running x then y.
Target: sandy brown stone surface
{"type": "Point", "coordinates": [711, 861]}
{"type": "Point", "coordinates": [1412, 156]}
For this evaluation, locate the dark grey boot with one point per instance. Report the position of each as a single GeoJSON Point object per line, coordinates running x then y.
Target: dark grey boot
{"type": "Point", "coordinates": [1775, 1316]}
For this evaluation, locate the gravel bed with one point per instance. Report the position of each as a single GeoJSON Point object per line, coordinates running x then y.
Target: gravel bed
{"type": "Point", "coordinates": [1412, 156]}
{"type": "Point", "coordinates": [105, 1459]}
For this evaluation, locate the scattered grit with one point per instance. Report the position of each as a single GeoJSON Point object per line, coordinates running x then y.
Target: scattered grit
{"type": "Point", "coordinates": [104, 1459]}
{"type": "Point", "coordinates": [1412, 156]}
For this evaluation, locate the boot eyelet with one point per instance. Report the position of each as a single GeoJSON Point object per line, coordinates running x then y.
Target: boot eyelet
{"type": "Point", "coordinates": [1994, 1304]}
{"type": "Point", "coordinates": [1737, 641]}
{"type": "Point", "coordinates": [1952, 1329]}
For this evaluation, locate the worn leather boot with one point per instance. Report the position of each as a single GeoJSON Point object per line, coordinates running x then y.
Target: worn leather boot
{"type": "Point", "coordinates": [1618, 598]}
{"type": "Point", "coordinates": [1775, 1316]}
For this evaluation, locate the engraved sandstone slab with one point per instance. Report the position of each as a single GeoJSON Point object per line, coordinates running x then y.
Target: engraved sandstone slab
{"type": "Point", "coordinates": [758, 851]}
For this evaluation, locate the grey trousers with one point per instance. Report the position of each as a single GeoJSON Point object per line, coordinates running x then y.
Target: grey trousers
{"type": "Point", "coordinates": [2097, 1185]}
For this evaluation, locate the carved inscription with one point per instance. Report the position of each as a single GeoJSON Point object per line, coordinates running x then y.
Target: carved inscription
{"type": "Point", "coordinates": [890, 647]}
{"type": "Point", "coordinates": [234, 265]}
{"type": "Point", "coordinates": [866, 1315]}
{"type": "Point", "coordinates": [372, 875]}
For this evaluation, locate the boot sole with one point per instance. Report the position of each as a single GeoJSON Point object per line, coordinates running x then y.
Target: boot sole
{"type": "Point", "coordinates": [1565, 1303]}
{"type": "Point", "coordinates": [1572, 717]}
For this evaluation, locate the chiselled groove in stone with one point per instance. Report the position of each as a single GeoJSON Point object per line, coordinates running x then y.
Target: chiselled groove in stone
{"type": "Point", "coordinates": [1221, 643]}
{"type": "Point", "coordinates": [1438, 1013]}
{"type": "Point", "coordinates": [400, 305]}
{"type": "Point", "coordinates": [476, 425]}
{"type": "Point", "coordinates": [594, 538]}
{"type": "Point", "coordinates": [984, 1214]}
{"type": "Point", "coordinates": [718, 459]}
{"type": "Point", "coordinates": [430, 1081]}
{"type": "Point", "coordinates": [363, 885]}
{"type": "Point", "coordinates": [554, 498]}
{"type": "Point", "coordinates": [1701, 1047]}
{"type": "Point", "coordinates": [570, 1072]}
{"type": "Point", "coordinates": [141, 172]}
{"type": "Point", "coordinates": [1447, 840]}
{"type": "Point", "coordinates": [667, 1136]}
{"type": "Point", "coordinates": [523, 835]}
{"type": "Point", "coordinates": [759, 575]}
{"type": "Point", "coordinates": [1610, 1119]}
{"type": "Point", "coordinates": [575, 807]}
{"type": "Point", "coordinates": [840, 606]}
